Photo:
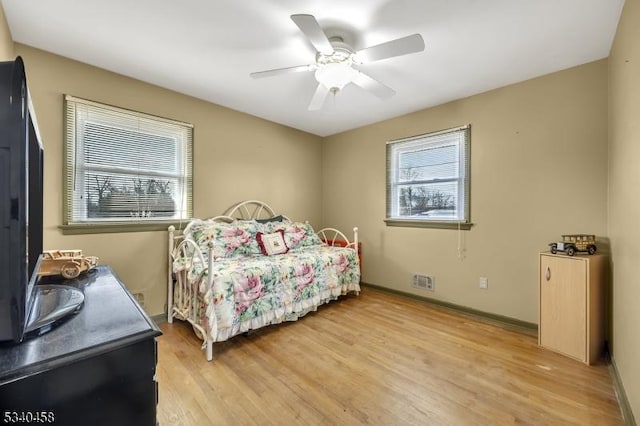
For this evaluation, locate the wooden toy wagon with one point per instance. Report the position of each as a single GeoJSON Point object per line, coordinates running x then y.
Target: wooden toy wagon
{"type": "Point", "coordinates": [573, 243]}
{"type": "Point", "coordinates": [68, 263]}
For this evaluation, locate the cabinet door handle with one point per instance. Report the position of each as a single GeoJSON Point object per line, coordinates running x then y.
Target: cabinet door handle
{"type": "Point", "coordinates": [547, 274]}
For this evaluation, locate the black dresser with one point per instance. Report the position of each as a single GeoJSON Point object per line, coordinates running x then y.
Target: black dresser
{"type": "Point", "coordinates": [96, 368]}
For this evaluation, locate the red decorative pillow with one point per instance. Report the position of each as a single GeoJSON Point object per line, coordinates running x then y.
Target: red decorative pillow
{"type": "Point", "coordinates": [271, 244]}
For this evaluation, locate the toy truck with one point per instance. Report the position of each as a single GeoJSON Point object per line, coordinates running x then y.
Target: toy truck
{"type": "Point", "coordinates": [68, 263]}
{"type": "Point", "coordinates": [573, 243]}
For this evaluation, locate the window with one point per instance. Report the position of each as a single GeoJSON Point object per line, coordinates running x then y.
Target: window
{"type": "Point", "coordinates": [428, 179]}
{"type": "Point", "coordinates": [124, 167]}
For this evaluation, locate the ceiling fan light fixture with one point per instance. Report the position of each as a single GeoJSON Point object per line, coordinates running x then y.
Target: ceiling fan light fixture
{"type": "Point", "coordinates": [335, 59]}
{"type": "Point", "coordinates": [335, 75]}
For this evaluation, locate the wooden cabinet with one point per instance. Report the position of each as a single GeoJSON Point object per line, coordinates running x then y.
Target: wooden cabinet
{"type": "Point", "coordinates": [571, 305]}
{"type": "Point", "coordinates": [96, 368]}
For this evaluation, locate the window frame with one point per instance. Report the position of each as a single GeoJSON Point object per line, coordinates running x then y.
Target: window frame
{"type": "Point", "coordinates": [396, 147]}
{"type": "Point", "coordinates": [72, 146]}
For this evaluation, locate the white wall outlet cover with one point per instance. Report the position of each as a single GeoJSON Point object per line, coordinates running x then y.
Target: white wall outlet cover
{"type": "Point", "coordinates": [484, 282]}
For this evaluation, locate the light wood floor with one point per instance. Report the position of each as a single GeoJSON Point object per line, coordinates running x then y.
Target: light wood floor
{"type": "Point", "coordinates": [378, 359]}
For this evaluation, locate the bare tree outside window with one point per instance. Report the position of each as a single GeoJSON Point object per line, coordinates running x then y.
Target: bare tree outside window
{"type": "Point", "coordinates": [419, 199]}
{"type": "Point", "coordinates": [142, 198]}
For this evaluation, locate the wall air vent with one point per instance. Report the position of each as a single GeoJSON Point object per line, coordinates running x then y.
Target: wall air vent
{"type": "Point", "coordinates": [423, 282]}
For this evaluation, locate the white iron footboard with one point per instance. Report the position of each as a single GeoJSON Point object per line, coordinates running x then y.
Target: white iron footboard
{"type": "Point", "coordinates": [182, 296]}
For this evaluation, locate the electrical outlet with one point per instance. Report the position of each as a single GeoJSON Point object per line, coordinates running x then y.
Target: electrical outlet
{"type": "Point", "coordinates": [484, 282]}
{"type": "Point", "coordinates": [139, 298]}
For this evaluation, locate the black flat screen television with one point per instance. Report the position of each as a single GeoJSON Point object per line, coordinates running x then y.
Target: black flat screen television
{"type": "Point", "coordinates": [21, 201]}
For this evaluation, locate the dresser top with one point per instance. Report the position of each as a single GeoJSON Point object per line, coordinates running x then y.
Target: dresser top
{"type": "Point", "coordinates": [579, 255]}
{"type": "Point", "coordinates": [109, 319]}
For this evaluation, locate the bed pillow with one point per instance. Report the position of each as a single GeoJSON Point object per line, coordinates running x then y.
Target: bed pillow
{"type": "Point", "coordinates": [271, 244]}
{"type": "Point", "coordinates": [298, 235]}
{"type": "Point", "coordinates": [200, 231]}
{"type": "Point", "coordinates": [271, 227]}
{"type": "Point", "coordinates": [229, 240]}
{"type": "Point", "coordinates": [278, 218]}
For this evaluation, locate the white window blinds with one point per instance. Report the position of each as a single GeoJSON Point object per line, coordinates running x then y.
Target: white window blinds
{"type": "Point", "coordinates": [428, 177]}
{"type": "Point", "coordinates": [125, 166]}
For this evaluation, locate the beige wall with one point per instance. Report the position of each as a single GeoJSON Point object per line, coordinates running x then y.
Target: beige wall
{"type": "Point", "coordinates": [6, 42]}
{"type": "Point", "coordinates": [624, 198]}
{"type": "Point", "coordinates": [236, 157]}
{"type": "Point", "coordinates": [538, 170]}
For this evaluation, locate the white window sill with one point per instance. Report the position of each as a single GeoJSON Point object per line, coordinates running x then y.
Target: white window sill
{"type": "Point", "coordinates": [119, 227]}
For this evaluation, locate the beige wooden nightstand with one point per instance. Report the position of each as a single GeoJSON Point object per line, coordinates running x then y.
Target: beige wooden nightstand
{"type": "Point", "coordinates": [571, 305]}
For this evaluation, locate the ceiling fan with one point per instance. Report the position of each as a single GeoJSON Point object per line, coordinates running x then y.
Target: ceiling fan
{"type": "Point", "coordinates": [335, 60]}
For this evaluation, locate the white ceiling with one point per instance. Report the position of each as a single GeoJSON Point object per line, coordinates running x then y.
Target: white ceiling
{"type": "Point", "coordinates": [207, 48]}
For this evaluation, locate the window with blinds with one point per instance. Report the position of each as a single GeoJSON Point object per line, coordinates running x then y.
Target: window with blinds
{"type": "Point", "coordinates": [125, 167]}
{"type": "Point", "coordinates": [428, 177]}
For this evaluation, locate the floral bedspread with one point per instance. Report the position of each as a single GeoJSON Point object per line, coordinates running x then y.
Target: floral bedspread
{"type": "Point", "coordinates": [253, 291]}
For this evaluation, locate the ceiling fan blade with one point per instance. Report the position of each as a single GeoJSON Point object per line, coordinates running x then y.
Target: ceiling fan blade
{"type": "Point", "coordinates": [398, 47]}
{"type": "Point", "coordinates": [310, 27]}
{"type": "Point", "coordinates": [318, 98]}
{"type": "Point", "coordinates": [278, 71]}
{"type": "Point", "coordinates": [374, 86]}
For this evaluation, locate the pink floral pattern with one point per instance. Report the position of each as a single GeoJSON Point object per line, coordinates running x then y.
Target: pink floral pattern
{"type": "Point", "coordinates": [235, 238]}
{"type": "Point", "coordinates": [299, 235]}
{"type": "Point", "coordinates": [341, 263]}
{"type": "Point", "coordinates": [246, 290]}
{"type": "Point", "coordinates": [304, 276]}
{"type": "Point", "coordinates": [251, 290]}
{"type": "Point", "coordinates": [227, 239]}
